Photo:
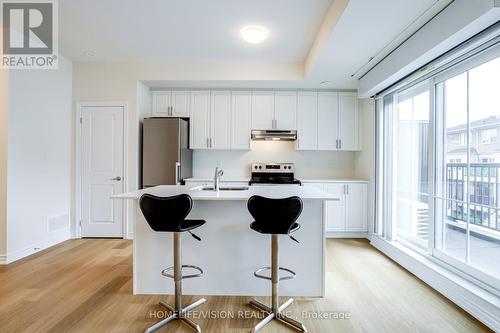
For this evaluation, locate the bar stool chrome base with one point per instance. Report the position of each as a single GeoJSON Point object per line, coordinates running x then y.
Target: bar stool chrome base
{"type": "Point", "coordinates": [276, 315]}
{"type": "Point", "coordinates": [178, 315]}
{"type": "Point", "coordinates": [275, 311]}
{"type": "Point", "coordinates": [177, 311]}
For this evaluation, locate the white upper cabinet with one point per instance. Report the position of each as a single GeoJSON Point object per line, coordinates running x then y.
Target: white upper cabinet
{"type": "Point", "coordinates": [220, 128]}
{"type": "Point", "coordinates": [307, 120]}
{"type": "Point", "coordinates": [263, 110]}
{"type": "Point", "coordinates": [285, 110]}
{"type": "Point", "coordinates": [324, 120]}
{"type": "Point", "coordinates": [161, 103]}
{"type": "Point", "coordinates": [171, 103]}
{"type": "Point", "coordinates": [180, 103]}
{"type": "Point", "coordinates": [200, 120]}
{"type": "Point", "coordinates": [241, 119]}
{"type": "Point", "coordinates": [328, 117]}
{"type": "Point", "coordinates": [348, 122]}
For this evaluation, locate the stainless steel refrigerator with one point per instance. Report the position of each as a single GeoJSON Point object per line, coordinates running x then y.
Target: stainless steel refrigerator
{"type": "Point", "coordinates": [166, 157]}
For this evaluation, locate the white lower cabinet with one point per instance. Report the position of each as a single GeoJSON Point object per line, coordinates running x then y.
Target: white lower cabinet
{"type": "Point", "coordinates": [356, 207]}
{"type": "Point", "coordinates": [335, 210]}
{"type": "Point", "coordinates": [347, 217]}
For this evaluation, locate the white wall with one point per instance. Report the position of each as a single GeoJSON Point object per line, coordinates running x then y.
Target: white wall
{"type": "Point", "coordinates": [39, 159]}
{"type": "Point", "coordinates": [4, 79]}
{"type": "Point", "coordinates": [364, 160]}
{"type": "Point", "coordinates": [119, 82]}
{"type": "Point", "coordinates": [308, 164]}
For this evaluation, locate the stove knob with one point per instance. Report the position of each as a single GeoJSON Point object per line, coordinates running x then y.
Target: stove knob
{"type": "Point", "coordinates": [256, 167]}
{"type": "Point", "coordinates": [260, 166]}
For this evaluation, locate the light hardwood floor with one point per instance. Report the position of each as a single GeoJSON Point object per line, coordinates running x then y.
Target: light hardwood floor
{"type": "Point", "coordinates": [86, 286]}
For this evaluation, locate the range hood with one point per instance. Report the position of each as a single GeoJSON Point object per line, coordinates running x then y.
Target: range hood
{"type": "Point", "coordinates": [274, 135]}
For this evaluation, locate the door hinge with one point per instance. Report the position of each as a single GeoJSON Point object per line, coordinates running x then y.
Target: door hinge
{"type": "Point", "coordinates": [81, 120]}
{"type": "Point", "coordinates": [80, 223]}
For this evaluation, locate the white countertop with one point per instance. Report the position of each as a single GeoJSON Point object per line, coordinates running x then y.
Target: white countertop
{"type": "Point", "coordinates": [305, 193]}
{"type": "Point", "coordinates": [222, 180]}
{"type": "Point", "coordinates": [338, 180]}
{"type": "Point", "coordinates": [304, 180]}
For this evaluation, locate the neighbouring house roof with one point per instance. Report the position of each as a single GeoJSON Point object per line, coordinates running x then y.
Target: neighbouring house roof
{"type": "Point", "coordinates": [492, 121]}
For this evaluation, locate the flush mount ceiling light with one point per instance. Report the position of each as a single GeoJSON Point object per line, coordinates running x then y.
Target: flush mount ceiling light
{"type": "Point", "coordinates": [89, 54]}
{"type": "Point", "coordinates": [254, 34]}
{"type": "Point", "coordinates": [325, 83]}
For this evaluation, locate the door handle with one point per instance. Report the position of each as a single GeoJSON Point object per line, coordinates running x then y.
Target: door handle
{"type": "Point", "coordinates": [118, 178]}
{"type": "Point", "coordinates": [177, 173]}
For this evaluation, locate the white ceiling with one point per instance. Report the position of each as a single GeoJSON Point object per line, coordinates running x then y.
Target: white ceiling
{"type": "Point", "coordinates": [365, 28]}
{"type": "Point", "coordinates": [208, 31]}
{"type": "Point", "coordinates": [187, 30]}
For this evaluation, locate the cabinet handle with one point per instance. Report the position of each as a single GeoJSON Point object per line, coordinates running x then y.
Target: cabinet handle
{"type": "Point", "coordinates": [275, 123]}
{"type": "Point", "coordinates": [207, 144]}
{"type": "Point", "coordinates": [337, 147]}
{"type": "Point", "coordinates": [347, 186]}
{"type": "Point", "coordinates": [340, 146]}
{"type": "Point", "coordinates": [210, 142]}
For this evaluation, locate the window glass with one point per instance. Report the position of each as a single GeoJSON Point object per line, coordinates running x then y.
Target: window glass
{"type": "Point", "coordinates": [410, 188]}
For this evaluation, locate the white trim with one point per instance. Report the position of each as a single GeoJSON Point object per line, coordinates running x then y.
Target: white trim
{"type": "Point", "coordinates": [56, 238]}
{"type": "Point", "coordinates": [480, 303]}
{"type": "Point", "coordinates": [346, 234]}
{"type": "Point", "coordinates": [76, 228]}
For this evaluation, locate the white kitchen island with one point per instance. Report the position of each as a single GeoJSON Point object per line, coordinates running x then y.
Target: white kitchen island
{"type": "Point", "coordinates": [230, 251]}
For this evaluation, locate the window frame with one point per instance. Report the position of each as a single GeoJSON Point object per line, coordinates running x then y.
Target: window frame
{"type": "Point", "coordinates": [386, 105]}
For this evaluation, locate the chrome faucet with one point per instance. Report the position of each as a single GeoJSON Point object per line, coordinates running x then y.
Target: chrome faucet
{"type": "Point", "coordinates": [218, 174]}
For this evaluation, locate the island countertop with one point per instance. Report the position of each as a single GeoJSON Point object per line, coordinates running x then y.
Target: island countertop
{"type": "Point", "coordinates": [275, 191]}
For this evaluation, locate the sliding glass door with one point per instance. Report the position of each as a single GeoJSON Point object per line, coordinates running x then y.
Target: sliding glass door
{"type": "Point", "coordinates": [468, 166]}
{"type": "Point", "coordinates": [410, 166]}
{"type": "Point", "coordinates": [438, 167]}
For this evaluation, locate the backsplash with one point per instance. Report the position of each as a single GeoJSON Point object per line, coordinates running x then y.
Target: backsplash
{"type": "Point", "coordinates": [308, 164]}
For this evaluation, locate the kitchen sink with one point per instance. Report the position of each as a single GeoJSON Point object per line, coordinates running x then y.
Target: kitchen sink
{"type": "Point", "coordinates": [222, 188]}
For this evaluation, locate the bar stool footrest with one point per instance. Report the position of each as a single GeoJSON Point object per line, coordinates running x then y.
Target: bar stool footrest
{"type": "Point", "coordinates": [267, 268]}
{"type": "Point", "coordinates": [168, 272]}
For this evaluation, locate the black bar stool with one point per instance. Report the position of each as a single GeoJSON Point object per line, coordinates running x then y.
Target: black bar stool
{"type": "Point", "coordinates": [167, 214]}
{"type": "Point", "coordinates": [275, 217]}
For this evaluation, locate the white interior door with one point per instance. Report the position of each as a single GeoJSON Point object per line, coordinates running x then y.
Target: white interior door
{"type": "Point", "coordinates": [102, 142]}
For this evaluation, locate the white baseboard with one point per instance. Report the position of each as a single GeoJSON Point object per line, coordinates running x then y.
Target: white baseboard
{"type": "Point", "coordinates": [130, 235]}
{"type": "Point", "coordinates": [53, 239]}
{"type": "Point", "coordinates": [345, 234]}
{"type": "Point", "coordinates": [3, 259]}
{"type": "Point", "coordinates": [480, 303]}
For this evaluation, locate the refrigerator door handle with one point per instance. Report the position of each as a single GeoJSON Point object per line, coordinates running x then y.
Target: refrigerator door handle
{"type": "Point", "coordinates": [177, 173]}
